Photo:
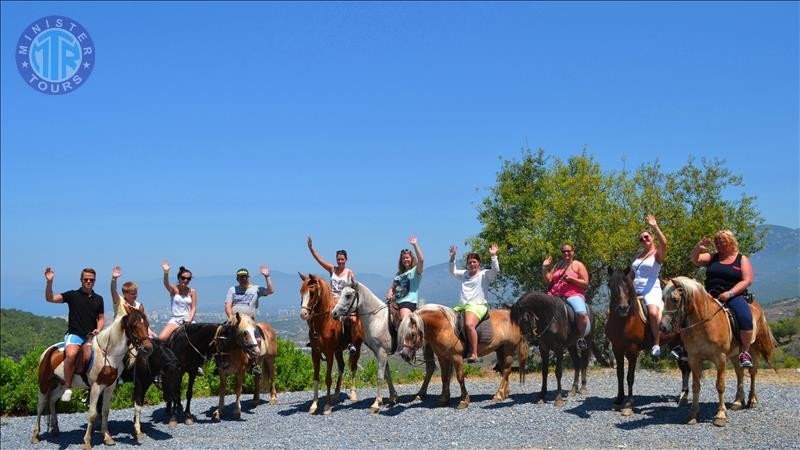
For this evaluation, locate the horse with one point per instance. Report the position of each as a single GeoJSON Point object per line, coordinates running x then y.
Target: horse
{"type": "Point", "coordinates": [143, 370]}
{"type": "Point", "coordinates": [108, 349]}
{"type": "Point", "coordinates": [374, 317]}
{"type": "Point", "coordinates": [326, 337]}
{"type": "Point", "coordinates": [707, 336]}
{"type": "Point", "coordinates": [237, 348]}
{"type": "Point", "coordinates": [545, 318]}
{"type": "Point", "coordinates": [434, 326]}
{"type": "Point", "coordinates": [627, 330]}
{"type": "Point", "coordinates": [193, 344]}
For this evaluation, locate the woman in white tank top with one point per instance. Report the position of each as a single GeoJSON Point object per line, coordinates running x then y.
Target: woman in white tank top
{"type": "Point", "coordinates": [183, 300]}
{"type": "Point", "coordinates": [646, 268]}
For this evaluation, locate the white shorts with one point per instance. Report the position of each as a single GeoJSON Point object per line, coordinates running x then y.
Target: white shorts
{"type": "Point", "coordinates": [178, 320]}
{"type": "Point", "coordinates": [653, 297]}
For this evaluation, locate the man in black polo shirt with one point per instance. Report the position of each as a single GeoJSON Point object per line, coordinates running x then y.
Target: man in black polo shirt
{"type": "Point", "coordinates": [86, 319]}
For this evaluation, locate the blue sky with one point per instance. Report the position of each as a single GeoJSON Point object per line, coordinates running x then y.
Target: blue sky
{"type": "Point", "coordinates": [220, 135]}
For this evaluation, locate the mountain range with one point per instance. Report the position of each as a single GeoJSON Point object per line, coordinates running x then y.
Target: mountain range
{"type": "Point", "coordinates": [777, 268]}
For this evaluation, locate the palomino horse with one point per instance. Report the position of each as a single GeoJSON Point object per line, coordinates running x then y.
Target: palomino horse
{"type": "Point", "coordinates": [545, 318]}
{"type": "Point", "coordinates": [435, 327]}
{"type": "Point", "coordinates": [627, 330]}
{"type": "Point", "coordinates": [143, 371]}
{"type": "Point", "coordinates": [193, 344]}
{"type": "Point", "coordinates": [707, 336]}
{"type": "Point", "coordinates": [108, 348]}
{"type": "Point", "coordinates": [374, 318]}
{"type": "Point", "coordinates": [237, 348]}
{"type": "Point", "coordinates": [325, 334]}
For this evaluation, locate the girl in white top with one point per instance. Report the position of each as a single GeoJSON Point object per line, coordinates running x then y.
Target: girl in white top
{"type": "Point", "coordinates": [474, 287]}
{"type": "Point", "coordinates": [183, 300]}
{"type": "Point", "coordinates": [646, 268]}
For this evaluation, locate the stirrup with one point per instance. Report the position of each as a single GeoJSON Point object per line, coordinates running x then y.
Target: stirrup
{"type": "Point", "coordinates": [581, 344]}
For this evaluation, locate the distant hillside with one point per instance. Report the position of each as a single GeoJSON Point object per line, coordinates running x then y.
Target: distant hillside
{"type": "Point", "coordinates": [777, 265]}
{"type": "Point", "coordinates": [21, 332]}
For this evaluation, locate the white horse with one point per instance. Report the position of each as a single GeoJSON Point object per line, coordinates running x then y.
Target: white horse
{"type": "Point", "coordinates": [374, 317]}
{"type": "Point", "coordinates": [109, 348]}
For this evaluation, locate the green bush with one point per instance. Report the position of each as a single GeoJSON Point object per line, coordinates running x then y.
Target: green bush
{"type": "Point", "coordinates": [294, 371]}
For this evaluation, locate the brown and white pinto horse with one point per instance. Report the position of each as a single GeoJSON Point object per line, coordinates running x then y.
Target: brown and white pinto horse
{"type": "Point", "coordinates": [627, 330]}
{"type": "Point", "coordinates": [326, 337]}
{"type": "Point", "coordinates": [435, 327]}
{"type": "Point", "coordinates": [236, 346]}
{"type": "Point", "coordinates": [707, 336]}
{"type": "Point", "coordinates": [109, 348]}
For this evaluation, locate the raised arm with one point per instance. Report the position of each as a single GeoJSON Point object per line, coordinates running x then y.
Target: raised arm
{"type": "Point", "coordinates": [453, 271]}
{"type": "Point", "coordinates": [700, 254]}
{"type": "Point", "coordinates": [170, 288]}
{"type": "Point", "coordinates": [494, 267]}
{"type": "Point", "coordinates": [325, 264]}
{"type": "Point", "coordinates": [268, 279]}
{"type": "Point", "coordinates": [420, 259]}
{"type": "Point", "coordinates": [49, 274]}
{"type": "Point", "coordinates": [115, 273]}
{"type": "Point", "coordinates": [547, 272]}
{"type": "Point", "coordinates": [661, 248]}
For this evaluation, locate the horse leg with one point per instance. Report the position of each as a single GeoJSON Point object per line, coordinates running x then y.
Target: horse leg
{"type": "Point", "coordinates": [619, 357]}
{"type": "Point", "coordinates": [447, 371]}
{"type": "Point", "coordinates": [328, 379]}
{"type": "Point", "coordinates": [270, 371]}
{"type": "Point", "coordinates": [388, 376]}
{"type": "Point", "coordinates": [382, 358]}
{"type": "Point", "coordinates": [505, 359]}
{"type": "Point", "coordinates": [738, 401]}
{"type": "Point", "coordinates": [721, 417]}
{"type": "Point", "coordinates": [584, 359]}
{"type": "Point", "coordinates": [430, 367]}
{"type": "Point", "coordinates": [697, 370]}
{"type": "Point", "coordinates": [257, 387]}
{"type": "Point", "coordinates": [94, 393]}
{"type": "Point", "coordinates": [352, 360]}
{"type": "Point", "coordinates": [43, 399]}
{"type": "Point", "coordinates": [237, 412]}
{"type": "Point", "coordinates": [752, 398]}
{"type": "Point", "coordinates": [138, 401]}
{"type": "Point", "coordinates": [683, 397]}
{"type": "Point", "coordinates": [573, 353]}
{"type": "Point", "coordinates": [315, 358]}
{"type": "Point", "coordinates": [108, 392]}
{"type": "Point", "coordinates": [339, 375]}
{"type": "Point", "coordinates": [559, 371]}
{"type": "Point", "coordinates": [223, 383]}
{"type": "Point", "coordinates": [188, 412]}
{"type": "Point", "coordinates": [633, 359]}
{"type": "Point", "coordinates": [545, 353]}
{"type": "Point", "coordinates": [459, 368]}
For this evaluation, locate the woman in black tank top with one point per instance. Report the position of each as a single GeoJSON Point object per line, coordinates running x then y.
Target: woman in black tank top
{"type": "Point", "coordinates": [728, 275]}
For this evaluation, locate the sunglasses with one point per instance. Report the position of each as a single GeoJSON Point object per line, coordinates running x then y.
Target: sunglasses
{"type": "Point", "coordinates": [566, 251]}
{"type": "Point", "coordinates": [88, 280]}
{"type": "Point", "coordinates": [644, 238]}
{"type": "Point", "coordinates": [186, 278]}
{"type": "Point", "coordinates": [240, 277]}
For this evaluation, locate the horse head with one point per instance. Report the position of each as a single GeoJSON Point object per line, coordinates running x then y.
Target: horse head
{"type": "Point", "coordinates": [621, 291]}
{"type": "Point", "coordinates": [348, 300]}
{"type": "Point", "coordinates": [245, 330]}
{"type": "Point", "coordinates": [136, 328]}
{"type": "Point", "coordinates": [676, 296]}
{"type": "Point", "coordinates": [314, 292]}
{"type": "Point", "coordinates": [411, 333]}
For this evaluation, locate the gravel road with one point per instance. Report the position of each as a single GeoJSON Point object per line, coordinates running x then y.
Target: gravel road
{"type": "Point", "coordinates": [585, 422]}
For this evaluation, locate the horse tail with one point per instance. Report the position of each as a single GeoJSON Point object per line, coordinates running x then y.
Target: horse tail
{"type": "Point", "coordinates": [768, 344]}
{"type": "Point", "coordinates": [522, 357]}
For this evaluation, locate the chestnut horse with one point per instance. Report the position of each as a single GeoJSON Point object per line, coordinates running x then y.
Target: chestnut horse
{"type": "Point", "coordinates": [629, 334]}
{"type": "Point", "coordinates": [326, 336]}
{"type": "Point", "coordinates": [435, 327]}
{"type": "Point", "coordinates": [374, 317]}
{"type": "Point", "coordinates": [240, 350]}
{"type": "Point", "coordinates": [707, 336]}
{"type": "Point", "coordinates": [544, 318]}
{"type": "Point", "coordinates": [108, 348]}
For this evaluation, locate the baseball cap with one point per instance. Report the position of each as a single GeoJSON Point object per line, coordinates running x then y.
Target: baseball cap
{"type": "Point", "coordinates": [242, 272]}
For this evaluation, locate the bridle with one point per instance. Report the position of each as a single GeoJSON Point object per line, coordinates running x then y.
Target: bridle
{"type": "Point", "coordinates": [678, 314]}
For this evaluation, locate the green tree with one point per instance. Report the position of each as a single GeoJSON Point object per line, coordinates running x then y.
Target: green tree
{"type": "Point", "coordinates": [540, 202]}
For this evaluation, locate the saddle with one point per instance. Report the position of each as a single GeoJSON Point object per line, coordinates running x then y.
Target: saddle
{"type": "Point", "coordinates": [735, 323]}
{"type": "Point", "coordinates": [642, 309]}
{"type": "Point", "coordinates": [57, 355]}
{"type": "Point", "coordinates": [484, 329]}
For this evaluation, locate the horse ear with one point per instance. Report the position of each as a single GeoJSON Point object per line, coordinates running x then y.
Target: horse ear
{"type": "Point", "coordinates": [675, 283]}
{"type": "Point", "coordinates": [353, 283]}
{"type": "Point", "coordinates": [302, 277]}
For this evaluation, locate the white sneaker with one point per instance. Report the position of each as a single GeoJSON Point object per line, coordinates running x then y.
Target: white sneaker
{"type": "Point", "coordinates": [67, 395]}
{"type": "Point", "coordinates": [655, 351]}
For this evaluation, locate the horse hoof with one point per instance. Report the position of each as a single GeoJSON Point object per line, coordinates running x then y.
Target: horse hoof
{"type": "Point", "coordinates": [752, 403]}
{"type": "Point", "coordinates": [374, 409]}
{"type": "Point", "coordinates": [189, 421]}
{"type": "Point", "coordinates": [86, 446]}
{"type": "Point", "coordinates": [419, 398]}
{"type": "Point", "coordinates": [273, 401]}
{"type": "Point", "coordinates": [215, 416]}
{"type": "Point", "coordinates": [736, 406]}
{"type": "Point", "coordinates": [173, 423]}
{"type": "Point", "coordinates": [559, 402]}
{"type": "Point", "coordinates": [583, 391]}
{"type": "Point", "coordinates": [109, 442]}
{"type": "Point", "coordinates": [626, 412]}
{"type": "Point", "coordinates": [138, 437]}
{"type": "Point", "coordinates": [353, 397]}
{"type": "Point", "coordinates": [691, 421]}
{"type": "Point", "coordinates": [616, 407]}
{"type": "Point", "coordinates": [540, 401]}
{"type": "Point", "coordinates": [327, 411]}
{"type": "Point", "coordinates": [719, 422]}
{"type": "Point", "coordinates": [572, 392]}
{"type": "Point", "coordinates": [237, 415]}
{"type": "Point", "coordinates": [497, 399]}
{"type": "Point", "coordinates": [462, 405]}
{"type": "Point", "coordinates": [35, 440]}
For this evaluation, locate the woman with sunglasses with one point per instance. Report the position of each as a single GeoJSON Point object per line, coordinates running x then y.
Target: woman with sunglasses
{"type": "Point", "coordinates": [405, 286]}
{"type": "Point", "coordinates": [568, 279]}
{"type": "Point", "coordinates": [646, 268]}
{"type": "Point", "coordinates": [183, 298]}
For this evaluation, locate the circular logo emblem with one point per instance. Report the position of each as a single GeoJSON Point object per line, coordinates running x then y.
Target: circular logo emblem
{"type": "Point", "coordinates": [55, 55]}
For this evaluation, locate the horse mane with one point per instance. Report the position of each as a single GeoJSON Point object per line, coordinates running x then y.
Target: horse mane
{"type": "Point", "coordinates": [691, 286]}
{"type": "Point", "coordinates": [528, 302]}
{"type": "Point", "coordinates": [323, 290]}
{"type": "Point", "coordinates": [448, 313]}
{"type": "Point", "coordinates": [620, 277]}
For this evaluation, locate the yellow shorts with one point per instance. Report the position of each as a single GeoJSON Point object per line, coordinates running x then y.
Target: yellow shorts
{"type": "Point", "coordinates": [477, 309]}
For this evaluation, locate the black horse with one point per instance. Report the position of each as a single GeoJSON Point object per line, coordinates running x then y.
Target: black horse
{"type": "Point", "coordinates": [161, 363]}
{"type": "Point", "coordinates": [546, 319]}
{"type": "Point", "coordinates": [194, 344]}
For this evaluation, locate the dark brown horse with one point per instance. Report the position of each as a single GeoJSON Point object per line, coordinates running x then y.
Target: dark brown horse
{"type": "Point", "coordinates": [238, 345]}
{"type": "Point", "coordinates": [326, 337]}
{"type": "Point", "coordinates": [545, 318]}
{"type": "Point", "coordinates": [627, 330]}
{"type": "Point", "coordinates": [707, 335]}
{"type": "Point", "coordinates": [434, 326]}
